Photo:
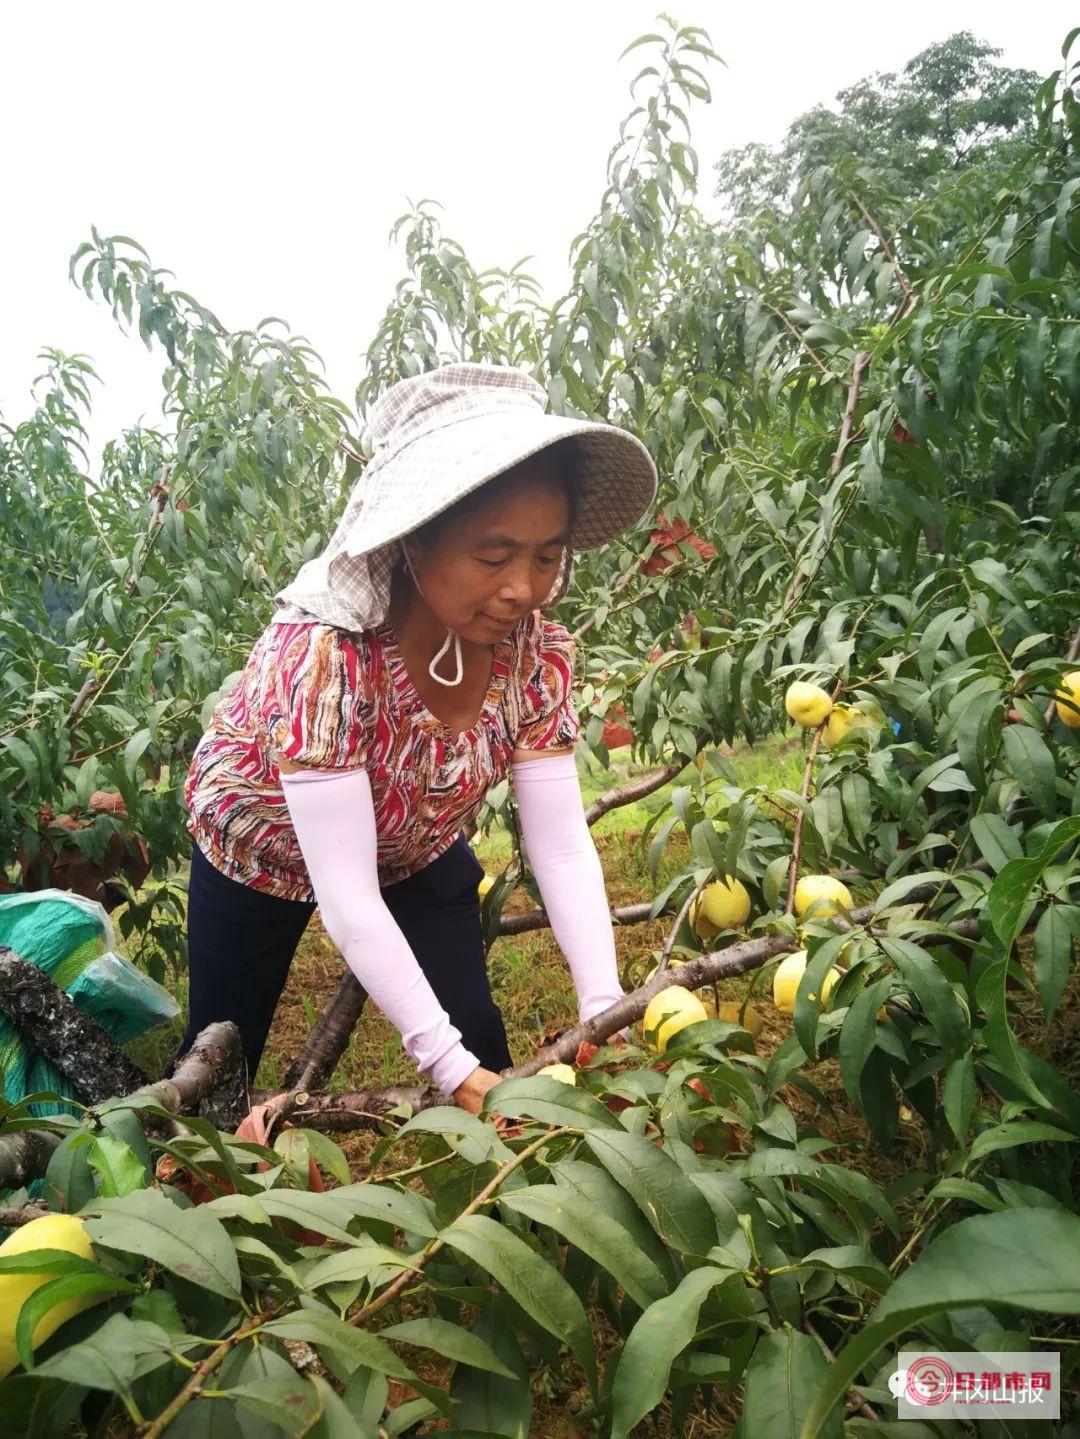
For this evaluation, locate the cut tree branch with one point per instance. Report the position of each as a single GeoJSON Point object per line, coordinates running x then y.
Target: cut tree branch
{"type": "Point", "coordinates": [329, 1036]}
{"type": "Point", "coordinates": [25, 1155]}
{"type": "Point", "coordinates": [209, 1064]}
{"type": "Point", "coordinates": [14, 1215]}
{"type": "Point", "coordinates": [368, 1109]}
{"type": "Point", "coordinates": [73, 1043]}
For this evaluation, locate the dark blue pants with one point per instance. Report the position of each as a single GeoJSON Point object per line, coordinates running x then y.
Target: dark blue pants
{"type": "Point", "coordinates": [242, 941]}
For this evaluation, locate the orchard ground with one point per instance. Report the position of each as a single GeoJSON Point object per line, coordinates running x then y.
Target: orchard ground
{"type": "Point", "coordinates": [533, 989]}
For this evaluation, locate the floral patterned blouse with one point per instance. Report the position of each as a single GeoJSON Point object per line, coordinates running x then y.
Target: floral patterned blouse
{"type": "Point", "coordinates": [329, 698]}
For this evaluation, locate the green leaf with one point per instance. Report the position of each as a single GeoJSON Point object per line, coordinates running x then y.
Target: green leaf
{"type": "Point", "coordinates": [901, 888]}
{"type": "Point", "coordinates": [407, 1416]}
{"type": "Point", "coordinates": [612, 1235]}
{"type": "Point", "coordinates": [289, 1402]}
{"type": "Point", "coordinates": [668, 1198]}
{"type": "Point", "coordinates": [546, 1099]}
{"type": "Point", "coordinates": [851, 1260]}
{"type": "Point", "coordinates": [47, 1261]}
{"type": "Point", "coordinates": [451, 1341]}
{"type": "Point", "coordinates": [189, 1242]}
{"type": "Point", "coordinates": [540, 1290]}
{"type": "Point", "coordinates": [935, 994]}
{"type": "Point", "coordinates": [1053, 956]}
{"type": "Point", "coordinates": [484, 1402]}
{"type": "Point", "coordinates": [659, 1336]}
{"type": "Point", "coordinates": [858, 1037]}
{"type": "Point", "coordinates": [337, 1420]}
{"type": "Point", "coordinates": [1028, 1258]}
{"type": "Point", "coordinates": [134, 750]}
{"type": "Point", "coordinates": [322, 1212]}
{"type": "Point", "coordinates": [69, 1180]}
{"type": "Point", "coordinates": [1009, 893]}
{"type": "Point", "coordinates": [1013, 1133]}
{"type": "Point", "coordinates": [997, 1034]}
{"type": "Point", "coordinates": [1033, 765]}
{"type": "Point", "coordinates": [958, 1095]}
{"type": "Point", "coordinates": [403, 1208]}
{"type": "Point", "coordinates": [326, 1154]}
{"type": "Point", "coordinates": [356, 1346]}
{"type": "Point", "coordinates": [120, 1169]}
{"type": "Point", "coordinates": [807, 1010]}
{"type": "Point", "coordinates": [361, 1261]}
{"type": "Point", "coordinates": [995, 840]}
{"type": "Point", "coordinates": [786, 1372]}
{"type": "Point", "coordinates": [116, 1354]}
{"type": "Point", "coordinates": [58, 1291]}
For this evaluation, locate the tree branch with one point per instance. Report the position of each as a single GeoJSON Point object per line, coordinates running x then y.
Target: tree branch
{"type": "Point", "coordinates": [862, 359]}
{"type": "Point", "coordinates": [436, 1244]}
{"type": "Point", "coordinates": [76, 1045]}
{"type": "Point", "coordinates": [368, 1109]}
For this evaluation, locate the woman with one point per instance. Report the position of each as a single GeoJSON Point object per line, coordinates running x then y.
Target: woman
{"type": "Point", "coordinates": [406, 671]}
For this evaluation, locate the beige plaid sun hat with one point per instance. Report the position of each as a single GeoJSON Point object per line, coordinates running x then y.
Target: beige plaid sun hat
{"type": "Point", "coordinates": [439, 436]}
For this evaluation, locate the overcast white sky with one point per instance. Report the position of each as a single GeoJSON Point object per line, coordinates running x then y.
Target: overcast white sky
{"type": "Point", "coordinates": [262, 151]}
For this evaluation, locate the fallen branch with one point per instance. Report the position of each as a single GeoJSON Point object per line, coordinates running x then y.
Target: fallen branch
{"type": "Point", "coordinates": [369, 1108]}
{"type": "Point", "coordinates": [209, 1064]}
{"type": "Point", "coordinates": [328, 1038]}
{"type": "Point", "coordinates": [73, 1043]}
{"type": "Point", "coordinates": [25, 1155]}
{"type": "Point", "coordinates": [13, 1215]}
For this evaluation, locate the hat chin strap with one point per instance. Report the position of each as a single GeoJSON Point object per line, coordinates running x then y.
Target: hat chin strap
{"type": "Point", "coordinates": [451, 638]}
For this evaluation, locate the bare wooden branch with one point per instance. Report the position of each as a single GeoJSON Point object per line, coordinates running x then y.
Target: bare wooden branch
{"type": "Point", "coordinates": [76, 1045]}
{"type": "Point", "coordinates": [623, 914]}
{"type": "Point", "coordinates": [25, 1155]}
{"type": "Point", "coordinates": [329, 1037]}
{"type": "Point", "coordinates": [14, 1215]}
{"type": "Point", "coordinates": [368, 1108]}
{"type": "Point", "coordinates": [625, 794]}
{"type": "Point", "coordinates": [210, 1063]}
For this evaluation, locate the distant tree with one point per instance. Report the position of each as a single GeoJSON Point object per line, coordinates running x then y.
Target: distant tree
{"type": "Point", "coordinates": [948, 107]}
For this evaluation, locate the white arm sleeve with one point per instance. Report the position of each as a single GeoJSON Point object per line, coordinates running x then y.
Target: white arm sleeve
{"type": "Point", "coordinates": [563, 857]}
{"type": "Point", "coordinates": [334, 819]}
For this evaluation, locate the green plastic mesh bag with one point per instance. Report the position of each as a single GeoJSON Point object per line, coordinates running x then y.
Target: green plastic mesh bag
{"type": "Point", "coordinates": [71, 939]}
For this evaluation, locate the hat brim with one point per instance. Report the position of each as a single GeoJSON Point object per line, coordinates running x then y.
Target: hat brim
{"type": "Point", "coordinates": [434, 471]}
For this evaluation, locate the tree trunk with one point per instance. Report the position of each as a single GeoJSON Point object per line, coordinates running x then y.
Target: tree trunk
{"type": "Point", "coordinates": [88, 1057]}
{"type": "Point", "coordinates": [329, 1036]}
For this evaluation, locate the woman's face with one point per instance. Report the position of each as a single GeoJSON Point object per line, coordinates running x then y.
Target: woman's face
{"type": "Point", "coordinates": [487, 568]}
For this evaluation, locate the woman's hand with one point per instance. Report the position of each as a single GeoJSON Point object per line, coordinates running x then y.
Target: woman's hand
{"type": "Point", "coordinates": [470, 1093]}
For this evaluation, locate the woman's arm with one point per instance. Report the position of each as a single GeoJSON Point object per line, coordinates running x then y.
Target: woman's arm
{"type": "Point", "coordinates": [334, 818]}
{"type": "Point", "coordinates": [563, 857]}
